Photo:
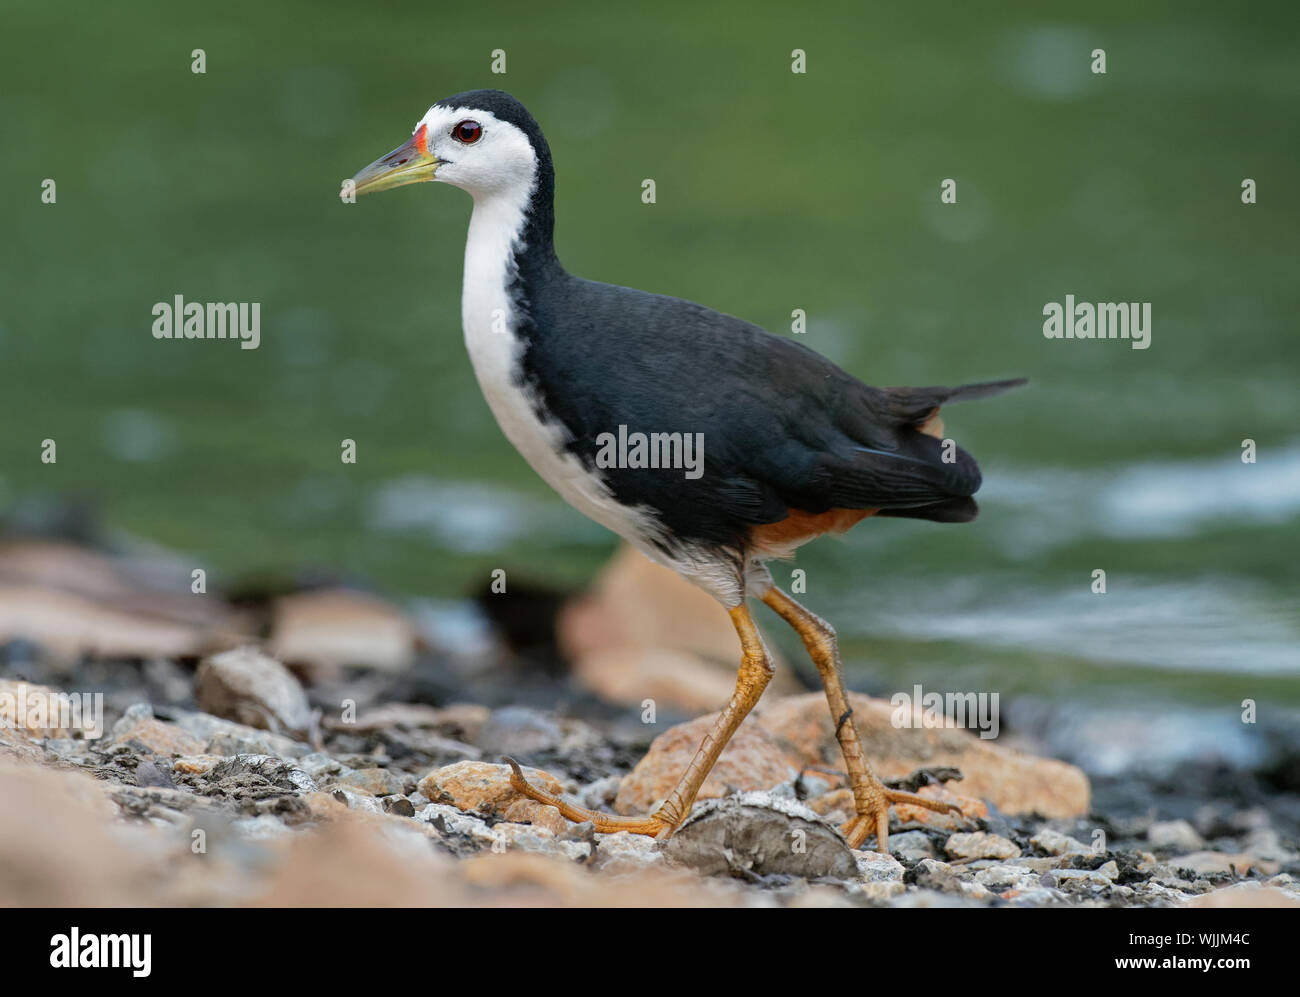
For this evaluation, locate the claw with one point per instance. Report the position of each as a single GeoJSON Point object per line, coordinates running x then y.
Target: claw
{"type": "Point", "coordinates": [859, 828]}
{"type": "Point", "coordinates": [605, 823]}
{"type": "Point", "coordinates": [517, 781]}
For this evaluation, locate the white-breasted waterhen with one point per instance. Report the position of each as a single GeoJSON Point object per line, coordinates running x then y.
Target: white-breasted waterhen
{"type": "Point", "coordinates": [793, 447]}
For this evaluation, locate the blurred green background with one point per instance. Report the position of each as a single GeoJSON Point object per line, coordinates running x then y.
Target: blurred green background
{"type": "Point", "coordinates": [776, 191]}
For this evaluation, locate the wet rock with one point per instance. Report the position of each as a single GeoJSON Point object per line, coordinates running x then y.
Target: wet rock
{"type": "Point", "coordinates": [1014, 782]}
{"type": "Point", "coordinates": [980, 845]}
{"type": "Point", "coordinates": [1178, 835]}
{"type": "Point", "coordinates": [139, 724]}
{"type": "Point", "coordinates": [758, 834]}
{"type": "Point", "coordinates": [753, 760]}
{"type": "Point", "coordinates": [251, 688]}
{"type": "Point", "coordinates": [481, 787]}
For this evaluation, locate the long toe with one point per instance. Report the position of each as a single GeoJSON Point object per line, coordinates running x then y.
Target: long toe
{"type": "Point", "coordinates": [874, 819]}
{"type": "Point", "coordinates": [605, 823]}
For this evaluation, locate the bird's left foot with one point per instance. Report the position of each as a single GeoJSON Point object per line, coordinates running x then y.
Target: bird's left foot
{"type": "Point", "coordinates": [657, 825]}
{"type": "Point", "coordinates": [873, 813]}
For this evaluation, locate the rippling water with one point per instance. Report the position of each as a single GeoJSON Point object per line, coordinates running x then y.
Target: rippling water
{"type": "Point", "coordinates": [776, 192]}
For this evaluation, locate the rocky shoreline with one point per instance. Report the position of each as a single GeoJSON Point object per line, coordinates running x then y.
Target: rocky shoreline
{"type": "Point", "coordinates": [408, 803]}
{"type": "Point", "coordinates": [321, 748]}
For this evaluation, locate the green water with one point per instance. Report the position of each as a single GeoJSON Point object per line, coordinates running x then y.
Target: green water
{"type": "Point", "coordinates": [775, 191]}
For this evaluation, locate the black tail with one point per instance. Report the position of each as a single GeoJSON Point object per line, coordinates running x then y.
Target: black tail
{"type": "Point", "coordinates": [953, 510]}
{"type": "Point", "coordinates": [911, 406]}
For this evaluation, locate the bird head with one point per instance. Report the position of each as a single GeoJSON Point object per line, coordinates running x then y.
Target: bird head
{"type": "Point", "coordinates": [482, 141]}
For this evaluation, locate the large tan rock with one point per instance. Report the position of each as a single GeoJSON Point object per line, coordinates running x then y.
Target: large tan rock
{"type": "Point", "coordinates": [332, 628]}
{"type": "Point", "coordinates": [482, 787]}
{"type": "Point", "coordinates": [643, 632]}
{"type": "Point", "coordinates": [1012, 781]}
{"type": "Point", "coordinates": [74, 601]}
{"type": "Point", "coordinates": [786, 736]}
{"type": "Point", "coordinates": [754, 759]}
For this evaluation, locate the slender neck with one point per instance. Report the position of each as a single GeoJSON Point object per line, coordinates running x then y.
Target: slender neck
{"type": "Point", "coordinates": [510, 254]}
{"type": "Point", "coordinates": [535, 257]}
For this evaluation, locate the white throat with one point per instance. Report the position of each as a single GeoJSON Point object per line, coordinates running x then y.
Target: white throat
{"type": "Point", "coordinates": [490, 320]}
{"type": "Point", "coordinates": [494, 229]}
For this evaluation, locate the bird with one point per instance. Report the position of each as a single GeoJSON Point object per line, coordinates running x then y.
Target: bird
{"type": "Point", "coordinates": [780, 445]}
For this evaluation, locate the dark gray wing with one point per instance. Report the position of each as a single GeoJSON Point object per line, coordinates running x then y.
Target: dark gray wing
{"type": "Point", "coordinates": [783, 428]}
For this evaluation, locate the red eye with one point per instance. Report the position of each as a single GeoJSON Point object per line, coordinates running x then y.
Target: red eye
{"type": "Point", "coordinates": [467, 132]}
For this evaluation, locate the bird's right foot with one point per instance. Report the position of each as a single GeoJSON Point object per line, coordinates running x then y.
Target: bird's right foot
{"type": "Point", "coordinates": [873, 812]}
{"type": "Point", "coordinates": [657, 825]}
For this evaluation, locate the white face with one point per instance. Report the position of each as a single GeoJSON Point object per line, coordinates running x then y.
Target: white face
{"type": "Point", "coordinates": [478, 152]}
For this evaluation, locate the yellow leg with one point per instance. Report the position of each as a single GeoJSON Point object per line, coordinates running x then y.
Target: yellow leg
{"type": "Point", "coordinates": [752, 678]}
{"type": "Point", "coordinates": [870, 796]}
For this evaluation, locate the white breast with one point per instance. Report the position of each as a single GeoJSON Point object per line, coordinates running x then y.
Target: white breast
{"type": "Point", "coordinates": [488, 317]}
